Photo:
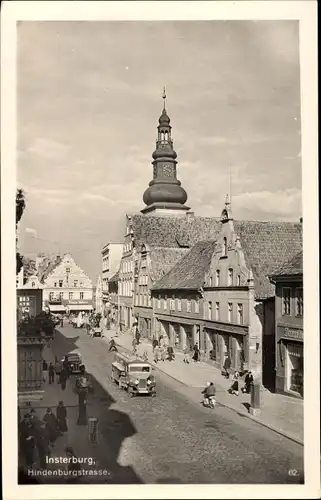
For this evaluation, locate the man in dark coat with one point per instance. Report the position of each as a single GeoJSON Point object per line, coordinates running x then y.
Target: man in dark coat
{"type": "Point", "coordinates": [27, 441]}
{"type": "Point", "coordinates": [63, 378]}
{"type": "Point", "coordinates": [196, 354]}
{"type": "Point", "coordinates": [42, 443]}
{"type": "Point", "coordinates": [51, 426]}
{"type": "Point", "coordinates": [61, 413]}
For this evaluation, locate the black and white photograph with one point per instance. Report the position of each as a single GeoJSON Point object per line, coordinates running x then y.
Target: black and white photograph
{"type": "Point", "coordinates": [159, 266]}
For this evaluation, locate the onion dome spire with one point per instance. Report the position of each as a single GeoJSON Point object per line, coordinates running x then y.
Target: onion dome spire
{"type": "Point", "coordinates": [164, 194]}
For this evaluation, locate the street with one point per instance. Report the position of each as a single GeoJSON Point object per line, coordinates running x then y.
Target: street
{"type": "Point", "coordinates": [172, 438]}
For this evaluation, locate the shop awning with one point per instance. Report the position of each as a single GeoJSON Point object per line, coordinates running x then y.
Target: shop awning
{"type": "Point", "coordinates": [56, 307]}
{"type": "Point", "coordinates": [80, 307]}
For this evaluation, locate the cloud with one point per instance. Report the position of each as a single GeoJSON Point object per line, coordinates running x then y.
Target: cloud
{"type": "Point", "coordinates": [87, 126]}
{"type": "Point", "coordinates": [284, 203]}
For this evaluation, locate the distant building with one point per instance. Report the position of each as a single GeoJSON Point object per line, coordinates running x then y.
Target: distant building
{"type": "Point", "coordinates": [111, 257]}
{"type": "Point", "coordinates": [99, 295]}
{"type": "Point", "coordinates": [33, 282]}
{"type": "Point", "coordinates": [66, 287]}
{"type": "Point", "coordinates": [112, 305]}
{"type": "Point", "coordinates": [288, 280]}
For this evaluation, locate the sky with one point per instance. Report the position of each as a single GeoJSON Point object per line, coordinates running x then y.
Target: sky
{"type": "Point", "coordinates": [88, 103]}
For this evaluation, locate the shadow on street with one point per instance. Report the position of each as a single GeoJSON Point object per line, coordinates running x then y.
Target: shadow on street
{"type": "Point", "coordinates": [113, 427]}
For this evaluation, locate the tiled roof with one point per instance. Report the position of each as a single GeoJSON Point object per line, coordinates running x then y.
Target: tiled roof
{"type": "Point", "coordinates": [46, 270]}
{"type": "Point", "coordinates": [175, 232]}
{"type": "Point", "coordinates": [163, 259]}
{"type": "Point", "coordinates": [265, 246]}
{"type": "Point", "coordinates": [291, 267]}
{"type": "Point", "coordinates": [114, 278]}
{"type": "Point", "coordinates": [190, 271]}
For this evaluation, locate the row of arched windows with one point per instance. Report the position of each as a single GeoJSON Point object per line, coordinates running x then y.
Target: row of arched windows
{"type": "Point", "coordinates": [216, 280]}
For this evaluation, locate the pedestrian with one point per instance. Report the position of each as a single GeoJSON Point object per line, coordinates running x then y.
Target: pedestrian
{"type": "Point", "coordinates": [44, 371]}
{"type": "Point", "coordinates": [248, 382]}
{"type": "Point", "coordinates": [186, 354]}
{"type": "Point", "coordinates": [42, 444]}
{"type": "Point", "coordinates": [51, 372]}
{"type": "Point", "coordinates": [155, 343]}
{"type": "Point", "coordinates": [51, 426]}
{"type": "Point", "coordinates": [62, 320]}
{"type": "Point", "coordinates": [58, 369]}
{"type": "Point", "coordinates": [227, 365]}
{"type": "Point", "coordinates": [156, 353]}
{"type": "Point", "coordinates": [196, 354]}
{"type": "Point", "coordinates": [234, 389]}
{"type": "Point", "coordinates": [63, 378]}
{"type": "Point", "coordinates": [163, 352]}
{"type": "Point", "coordinates": [61, 413]}
{"type": "Point", "coordinates": [170, 353]}
{"type": "Point", "coordinates": [145, 356]}
{"type": "Point", "coordinates": [27, 441]}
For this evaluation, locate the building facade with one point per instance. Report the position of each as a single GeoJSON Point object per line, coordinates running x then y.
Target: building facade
{"type": "Point", "coordinates": [127, 269]}
{"type": "Point", "coordinates": [99, 295]}
{"type": "Point", "coordinates": [289, 345]}
{"type": "Point", "coordinates": [111, 256]}
{"type": "Point", "coordinates": [66, 287]}
{"type": "Point", "coordinates": [219, 294]}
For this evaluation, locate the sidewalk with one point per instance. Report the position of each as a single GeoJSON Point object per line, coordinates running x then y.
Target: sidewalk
{"type": "Point", "coordinates": [282, 414]}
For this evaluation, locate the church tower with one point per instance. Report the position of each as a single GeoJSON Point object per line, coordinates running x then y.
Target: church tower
{"type": "Point", "coordinates": [165, 195]}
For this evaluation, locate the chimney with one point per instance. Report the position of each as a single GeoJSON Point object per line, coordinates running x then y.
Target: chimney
{"type": "Point", "coordinates": [301, 220]}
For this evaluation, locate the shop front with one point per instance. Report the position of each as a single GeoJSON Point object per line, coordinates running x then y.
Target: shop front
{"type": "Point", "coordinates": [290, 361]}
{"type": "Point", "coordinates": [220, 345]}
{"type": "Point", "coordinates": [75, 306]}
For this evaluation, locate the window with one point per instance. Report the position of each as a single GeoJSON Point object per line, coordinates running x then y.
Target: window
{"type": "Point", "coordinates": [149, 300]}
{"type": "Point", "coordinates": [81, 295]}
{"type": "Point", "coordinates": [75, 282]}
{"type": "Point", "coordinates": [55, 284]}
{"type": "Point", "coordinates": [209, 311]}
{"type": "Point", "coordinates": [61, 282]}
{"type": "Point", "coordinates": [70, 295]}
{"type": "Point", "coordinates": [197, 305]}
{"type": "Point", "coordinates": [188, 305]}
{"type": "Point", "coordinates": [230, 312]}
{"type": "Point", "coordinates": [159, 301]}
{"type": "Point", "coordinates": [61, 295]}
{"type": "Point", "coordinates": [299, 301]}
{"type": "Point", "coordinates": [238, 280]}
{"type": "Point", "coordinates": [224, 247]}
{"type": "Point", "coordinates": [286, 301]}
{"type": "Point", "coordinates": [165, 302]}
{"type": "Point", "coordinates": [81, 284]}
{"type": "Point", "coordinates": [240, 314]}
{"type": "Point", "coordinates": [217, 311]}
{"type": "Point", "coordinates": [51, 296]}
{"type": "Point", "coordinates": [211, 281]}
{"type": "Point", "coordinates": [179, 304]}
{"type": "Point", "coordinates": [173, 303]}
{"type": "Point", "coordinates": [33, 284]}
{"type": "Point", "coordinates": [230, 277]}
{"type": "Point", "coordinates": [67, 270]}
{"type": "Point", "coordinates": [217, 278]}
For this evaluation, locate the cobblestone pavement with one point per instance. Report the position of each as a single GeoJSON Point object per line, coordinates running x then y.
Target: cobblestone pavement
{"type": "Point", "coordinates": [170, 438]}
{"type": "Point", "coordinates": [279, 412]}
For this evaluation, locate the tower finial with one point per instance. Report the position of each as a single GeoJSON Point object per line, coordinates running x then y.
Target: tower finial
{"type": "Point", "coordinates": [164, 96]}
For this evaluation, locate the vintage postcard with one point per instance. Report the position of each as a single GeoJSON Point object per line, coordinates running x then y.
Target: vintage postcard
{"type": "Point", "coordinates": [160, 333]}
